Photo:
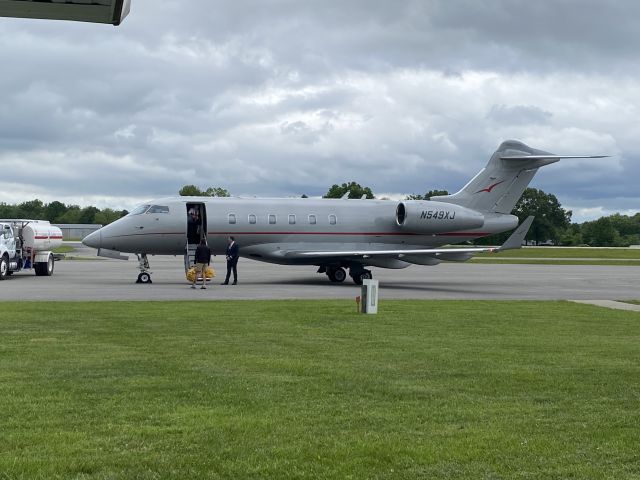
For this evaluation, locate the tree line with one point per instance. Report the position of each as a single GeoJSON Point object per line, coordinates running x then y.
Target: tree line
{"type": "Point", "coordinates": [552, 222]}
{"type": "Point", "coordinates": [58, 212]}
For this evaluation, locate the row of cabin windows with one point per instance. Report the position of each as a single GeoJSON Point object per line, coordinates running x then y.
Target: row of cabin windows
{"type": "Point", "coordinates": [273, 219]}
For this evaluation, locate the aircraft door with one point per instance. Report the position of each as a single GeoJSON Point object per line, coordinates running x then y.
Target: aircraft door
{"type": "Point", "coordinates": [196, 223]}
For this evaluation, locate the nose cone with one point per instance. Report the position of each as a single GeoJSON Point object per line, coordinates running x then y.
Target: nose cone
{"type": "Point", "coordinates": [93, 240]}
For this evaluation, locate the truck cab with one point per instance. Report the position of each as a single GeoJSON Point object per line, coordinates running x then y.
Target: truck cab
{"type": "Point", "coordinates": [9, 258]}
{"type": "Point", "coordinates": [7, 240]}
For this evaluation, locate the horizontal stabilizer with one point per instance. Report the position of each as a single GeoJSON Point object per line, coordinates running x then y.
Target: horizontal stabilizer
{"type": "Point", "coordinates": [548, 157]}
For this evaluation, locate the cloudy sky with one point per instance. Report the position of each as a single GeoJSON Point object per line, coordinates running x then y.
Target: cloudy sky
{"type": "Point", "coordinates": [285, 97]}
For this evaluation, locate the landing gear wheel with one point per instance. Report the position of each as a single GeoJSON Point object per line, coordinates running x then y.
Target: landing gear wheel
{"type": "Point", "coordinates": [336, 275]}
{"type": "Point", "coordinates": [144, 277]}
{"type": "Point", "coordinates": [359, 277]}
{"type": "Point", "coordinates": [143, 264]}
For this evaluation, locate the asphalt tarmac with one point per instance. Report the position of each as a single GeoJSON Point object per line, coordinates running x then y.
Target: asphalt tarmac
{"type": "Point", "coordinates": [104, 279]}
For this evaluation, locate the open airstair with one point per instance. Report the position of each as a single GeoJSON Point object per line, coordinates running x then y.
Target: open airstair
{"type": "Point", "coordinates": [189, 255]}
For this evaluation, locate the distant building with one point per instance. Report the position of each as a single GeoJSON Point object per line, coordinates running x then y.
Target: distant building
{"type": "Point", "coordinates": [76, 231]}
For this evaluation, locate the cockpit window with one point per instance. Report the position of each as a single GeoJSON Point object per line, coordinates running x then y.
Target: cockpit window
{"type": "Point", "coordinates": [158, 209]}
{"type": "Point", "coordinates": [139, 209]}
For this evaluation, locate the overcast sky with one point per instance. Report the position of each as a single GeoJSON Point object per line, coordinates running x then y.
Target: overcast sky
{"type": "Point", "coordinates": [285, 97]}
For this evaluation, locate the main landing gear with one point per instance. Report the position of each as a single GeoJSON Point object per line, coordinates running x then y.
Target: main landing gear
{"type": "Point", "coordinates": [338, 274]}
{"type": "Point", "coordinates": [143, 264]}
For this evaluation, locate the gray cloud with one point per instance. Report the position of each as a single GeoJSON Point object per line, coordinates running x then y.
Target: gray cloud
{"type": "Point", "coordinates": [289, 97]}
{"type": "Point", "coordinates": [519, 115]}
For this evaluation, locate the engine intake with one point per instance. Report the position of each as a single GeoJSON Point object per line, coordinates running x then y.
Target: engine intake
{"type": "Point", "coordinates": [424, 216]}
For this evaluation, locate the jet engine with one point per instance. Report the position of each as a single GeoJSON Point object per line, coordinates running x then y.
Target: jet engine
{"type": "Point", "coordinates": [426, 217]}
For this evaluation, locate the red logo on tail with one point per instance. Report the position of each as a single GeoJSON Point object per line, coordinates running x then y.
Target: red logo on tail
{"type": "Point", "coordinates": [490, 187]}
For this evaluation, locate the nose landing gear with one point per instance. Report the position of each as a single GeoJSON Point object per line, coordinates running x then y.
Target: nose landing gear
{"type": "Point", "coordinates": [143, 264]}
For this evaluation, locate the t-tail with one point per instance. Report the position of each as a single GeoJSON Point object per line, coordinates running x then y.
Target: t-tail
{"type": "Point", "coordinates": [500, 184]}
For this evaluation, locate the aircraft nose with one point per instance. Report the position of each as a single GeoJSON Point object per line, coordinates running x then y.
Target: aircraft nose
{"type": "Point", "coordinates": [93, 240]}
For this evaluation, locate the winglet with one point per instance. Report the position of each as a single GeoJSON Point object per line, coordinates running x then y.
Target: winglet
{"type": "Point", "coordinates": [516, 238]}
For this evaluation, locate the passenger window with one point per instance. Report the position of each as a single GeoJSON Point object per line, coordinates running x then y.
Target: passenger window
{"type": "Point", "coordinates": [232, 218]}
{"type": "Point", "coordinates": [272, 219]}
{"type": "Point", "coordinates": [332, 219]}
{"type": "Point", "coordinates": [292, 219]}
{"type": "Point", "coordinates": [312, 219]}
{"type": "Point", "coordinates": [158, 209]}
{"type": "Point", "coordinates": [252, 219]}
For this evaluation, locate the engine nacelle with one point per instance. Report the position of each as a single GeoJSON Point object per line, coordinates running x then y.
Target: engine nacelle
{"type": "Point", "coordinates": [423, 216]}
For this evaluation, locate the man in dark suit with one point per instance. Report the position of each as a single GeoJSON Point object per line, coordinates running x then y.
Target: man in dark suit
{"type": "Point", "coordinates": [233, 251]}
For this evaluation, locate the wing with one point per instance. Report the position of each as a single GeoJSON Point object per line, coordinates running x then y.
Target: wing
{"type": "Point", "coordinates": [462, 253]}
{"type": "Point", "coordinates": [391, 253]}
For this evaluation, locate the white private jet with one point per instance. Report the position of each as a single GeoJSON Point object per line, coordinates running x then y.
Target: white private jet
{"type": "Point", "coordinates": [335, 234]}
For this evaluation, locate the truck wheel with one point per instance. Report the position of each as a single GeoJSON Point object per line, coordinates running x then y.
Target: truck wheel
{"type": "Point", "coordinates": [4, 267]}
{"type": "Point", "coordinates": [44, 269]}
{"type": "Point", "coordinates": [49, 265]}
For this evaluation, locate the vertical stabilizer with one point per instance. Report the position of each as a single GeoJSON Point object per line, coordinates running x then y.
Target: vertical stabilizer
{"type": "Point", "coordinates": [500, 184]}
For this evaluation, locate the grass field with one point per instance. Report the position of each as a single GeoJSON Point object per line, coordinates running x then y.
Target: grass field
{"type": "Point", "coordinates": [564, 256]}
{"type": "Point", "coordinates": [301, 389]}
{"type": "Point", "coordinates": [64, 249]}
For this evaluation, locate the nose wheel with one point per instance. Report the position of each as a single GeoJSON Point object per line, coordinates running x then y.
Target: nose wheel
{"type": "Point", "coordinates": [143, 264]}
{"type": "Point", "coordinates": [144, 278]}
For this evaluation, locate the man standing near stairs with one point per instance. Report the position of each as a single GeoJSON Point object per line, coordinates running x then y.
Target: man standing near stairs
{"type": "Point", "coordinates": [202, 260]}
{"type": "Point", "coordinates": [233, 254]}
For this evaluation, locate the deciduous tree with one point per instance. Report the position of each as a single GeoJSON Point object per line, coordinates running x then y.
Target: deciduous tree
{"type": "Point", "coordinates": [428, 195]}
{"type": "Point", "coordinates": [194, 191]}
{"type": "Point", "coordinates": [355, 191]}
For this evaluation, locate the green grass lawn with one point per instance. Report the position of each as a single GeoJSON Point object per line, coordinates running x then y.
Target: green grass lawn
{"type": "Point", "coordinates": [571, 252]}
{"type": "Point", "coordinates": [564, 256]}
{"type": "Point", "coordinates": [560, 261]}
{"type": "Point", "coordinates": [64, 249]}
{"type": "Point", "coordinates": [302, 389]}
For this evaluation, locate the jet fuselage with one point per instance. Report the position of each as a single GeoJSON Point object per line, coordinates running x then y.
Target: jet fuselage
{"type": "Point", "coordinates": [271, 229]}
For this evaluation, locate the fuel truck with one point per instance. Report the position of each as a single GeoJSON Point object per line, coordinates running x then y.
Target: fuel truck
{"type": "Point", "coordinates": [27, 245]}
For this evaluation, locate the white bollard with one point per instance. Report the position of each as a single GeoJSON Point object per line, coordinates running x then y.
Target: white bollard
{"type": "Point", "coordinates": [370, 296]}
